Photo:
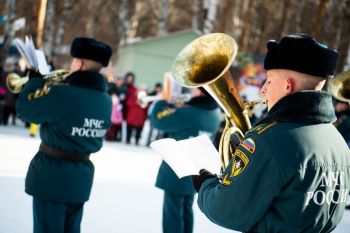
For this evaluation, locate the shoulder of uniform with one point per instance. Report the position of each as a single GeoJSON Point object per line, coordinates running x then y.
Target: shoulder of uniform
{"type": "Point", "coordinates": [262, 128]}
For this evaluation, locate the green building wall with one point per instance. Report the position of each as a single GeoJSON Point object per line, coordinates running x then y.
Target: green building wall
{"type": "Point", "coordinates": [150, 59]}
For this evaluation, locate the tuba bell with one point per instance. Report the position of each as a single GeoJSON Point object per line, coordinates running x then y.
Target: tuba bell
{"type": "Point", "coordinates": [339, 86]}
{"type": "Point", "coordinates": [205, 62]}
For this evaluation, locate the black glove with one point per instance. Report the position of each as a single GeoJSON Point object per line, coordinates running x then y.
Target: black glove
{"type": "Point", "coordinates": [199, 179]}
{"type": "Point", "coordinates": [34, 74]}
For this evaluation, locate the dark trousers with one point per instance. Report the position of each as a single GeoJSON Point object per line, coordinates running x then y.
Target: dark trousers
{"type": "Point", "coordinates": [56, 217]}
{"type": "Point", "coordinates": [7, 111]}
{"type": "Point", "coordinates": [130, 129]}
{"type": "Point", "coordinates": [177, 213]}
{"type": "Point", "coordinates": [114, 132]}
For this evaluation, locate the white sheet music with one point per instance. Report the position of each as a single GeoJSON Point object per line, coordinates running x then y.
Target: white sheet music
{"type": "Point", "coordinates": [43, 66]}
{"type": "Point", "coordinates": [27, 50]}
{"type": "Point", "coordinates": [35, 59]}
{"type": "Point", "coordinates": [188, 157]}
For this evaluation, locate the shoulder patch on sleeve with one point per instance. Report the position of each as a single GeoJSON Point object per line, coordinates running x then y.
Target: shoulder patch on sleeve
{"type": "Point", "coordinates": [239, 163]}
{"type": "Point", "coordinates": [248, 144]}
{"type": "Point", "coordinates": [260, 129]}
{"type": "Point", "coordinates": [165, 113]}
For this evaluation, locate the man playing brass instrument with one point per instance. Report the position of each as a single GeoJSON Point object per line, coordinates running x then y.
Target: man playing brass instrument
{"type": "Point", "coordinates": [74, 115]}
{"type": "Point", "coordinates": [180, 121]}
{"type": "Point", "coordinates": [291, 171]}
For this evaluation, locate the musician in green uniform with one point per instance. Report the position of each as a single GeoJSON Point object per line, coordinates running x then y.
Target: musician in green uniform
{"type": "Point", "coordinates": [74, 116]}
{"type": "Point", "coordinates": [198, 116]}
{"type": "Point", "coordinates": [291, 172]}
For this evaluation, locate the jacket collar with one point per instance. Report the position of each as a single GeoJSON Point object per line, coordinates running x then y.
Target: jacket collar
{"type": "Point", "coordinates": [205, 102]}
{"type": "Point", "coordinates": [307, 106]}
{"type": "Point", "coordinates": [87, 79]}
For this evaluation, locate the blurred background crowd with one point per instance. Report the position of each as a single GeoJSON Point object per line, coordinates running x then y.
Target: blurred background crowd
{"type": "Point", "coordinates": [146, 35]}
{"type": "Point", "coordinates": [131, 103]}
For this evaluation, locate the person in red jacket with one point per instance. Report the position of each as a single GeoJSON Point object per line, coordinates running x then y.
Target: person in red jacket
{"type": "Point", "coordinates": [135, 114]}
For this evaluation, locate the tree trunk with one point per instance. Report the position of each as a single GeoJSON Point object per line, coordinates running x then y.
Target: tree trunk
{"type": "Point", "coordinates": [163, 17]}
{"type": "Point", "coordinates": [10, 12]}
{"type": "Point", "coordinates": [298, 16]}
{"type": "Point", "coordinates": [68, 4]}
{"type": "Point", "coordinates": [123, 19]}
{"type": "Point", "coordinates": [224, 18]}
{"type": "Point", "coordinates": [344, 38]}
{"type": "Point", "coordinates": [247, 25]}
{"type": "Point", "coordinates": [236, 19]}
{"type": "Point", "coordinates": [113, 11]}
{"type": "Point", "coordinates": [134, 22]}
{"type": "Point", "coordinates": [262, 19]}
{"type": "Point", "coordinates": [49, 27]}
{"type": "Point", "coordinates": [211, 8]}
{"type": "Point", "coordinates": [320, 15]}
{"type": "Point", "coordinates": [94, 12]}
{"type": "Point", "coordinates": [285, 17]}
{"type": "Point", "coordinates": [195, 15]}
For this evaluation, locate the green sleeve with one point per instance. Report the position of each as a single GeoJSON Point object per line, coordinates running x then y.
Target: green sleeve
{"type": "Point", "coordinates": [249, 191]}
{"type": "Point", "coordinates": [39, 109]}
{"type": "Point", "coordinates": [168, 118]}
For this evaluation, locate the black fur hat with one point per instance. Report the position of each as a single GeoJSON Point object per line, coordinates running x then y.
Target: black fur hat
{"type": "Point", "coordinates": [88, 48]}
{"type": "Point", "coordinates": [301, 53]}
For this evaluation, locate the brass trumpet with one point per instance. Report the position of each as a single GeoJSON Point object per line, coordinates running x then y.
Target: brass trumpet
{"type": "Point", "coordinates": [15, 83]}
{"type": "Point", "coordinates": [339, 86]}
{"type": "Point", "coordinates": [143, 99]}
{"type": "Point", "coordinates": [205, 62]}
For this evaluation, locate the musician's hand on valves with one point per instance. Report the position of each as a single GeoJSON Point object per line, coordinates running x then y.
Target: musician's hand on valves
{"type": "Point", "coordinates": [199, 179]}
{"type": "Point", "coordinates": [34, 74]}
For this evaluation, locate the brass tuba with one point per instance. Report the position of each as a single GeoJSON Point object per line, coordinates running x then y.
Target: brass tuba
{"type": "Point", "coordinates": [339, 86]}
{"type": "Point", "coordinates": [15, 83]}
{"type": "Point", "coordinates": [205, 62]}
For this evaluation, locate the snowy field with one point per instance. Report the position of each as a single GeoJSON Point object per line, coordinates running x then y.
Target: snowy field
{"type": "Point", "coordinates": [123, 198]}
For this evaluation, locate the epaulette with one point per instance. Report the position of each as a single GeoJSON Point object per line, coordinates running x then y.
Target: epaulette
{"type": "Point", "coordinates": [260, 129]}
{"type": "Point", "coordinates": [40, 92]}
{"type": "Point", "coordinates": [165, 113]}
{"type": "Point", "coordinates": [44, 90]}
{"type": "Point", "coordinates": [59, 84]}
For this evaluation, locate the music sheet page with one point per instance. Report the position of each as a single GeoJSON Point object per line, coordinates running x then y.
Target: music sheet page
{"type": "Point", "coordinates": [187, 157]}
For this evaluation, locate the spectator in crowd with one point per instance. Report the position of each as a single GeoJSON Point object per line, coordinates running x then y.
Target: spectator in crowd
{"type": "Point", "coordinates": [114, 132]}
{"type": "Point", "coordinates": [156, 90]}
{"type": "Point", "coordinates": [9, 98]}
{"type": "Point", "coordinates": [118, 91]}
{"type": "Point", "coordinates": [135, 114]}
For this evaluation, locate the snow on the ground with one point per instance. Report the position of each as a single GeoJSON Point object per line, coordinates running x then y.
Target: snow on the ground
{"type": "Point", "coordinates": [123, 197]}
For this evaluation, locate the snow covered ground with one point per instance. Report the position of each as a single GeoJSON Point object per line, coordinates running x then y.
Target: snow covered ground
{"type": "Point", "coordinates": [123, 198]}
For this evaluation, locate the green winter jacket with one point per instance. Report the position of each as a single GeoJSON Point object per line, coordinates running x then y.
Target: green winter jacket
{"type": "Point", "coordinates": [73, 116]}
{"type": "Point", "coordinates": [289, 174]}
